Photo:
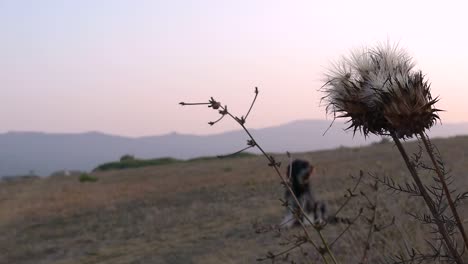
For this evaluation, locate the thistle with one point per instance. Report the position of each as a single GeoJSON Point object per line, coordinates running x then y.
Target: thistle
{"type": "Point", "coordinates": [381, 93]}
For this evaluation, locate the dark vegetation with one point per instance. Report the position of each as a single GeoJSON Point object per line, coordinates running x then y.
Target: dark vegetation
{"type": "Point", "coordinates": [128, 162]}
{"type": "Point", "coordinates": [84, 177]}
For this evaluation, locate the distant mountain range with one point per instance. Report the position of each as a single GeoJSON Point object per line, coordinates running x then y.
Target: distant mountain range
{"type": "Point", "coordinates": [22, 153]}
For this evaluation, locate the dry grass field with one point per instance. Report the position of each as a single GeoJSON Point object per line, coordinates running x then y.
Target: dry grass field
{"type": "Point", "coordinates": [204, 212]}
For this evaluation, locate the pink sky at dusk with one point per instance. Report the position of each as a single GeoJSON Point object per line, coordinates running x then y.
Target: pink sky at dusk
{"type": "Point", "coordinates": [122, 67]}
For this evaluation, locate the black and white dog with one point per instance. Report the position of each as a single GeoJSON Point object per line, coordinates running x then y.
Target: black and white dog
{"type": "Point", "coordinates": [299, 173]}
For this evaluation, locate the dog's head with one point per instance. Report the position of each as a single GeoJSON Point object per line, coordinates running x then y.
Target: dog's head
{"type": "Point", "coordinates": [299, 172]}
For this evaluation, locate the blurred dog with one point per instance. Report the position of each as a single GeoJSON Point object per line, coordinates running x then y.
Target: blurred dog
{"type": "Point", "coordinates": [299, 174]}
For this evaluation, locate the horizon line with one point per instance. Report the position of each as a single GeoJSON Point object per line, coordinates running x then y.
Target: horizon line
{"type": "Point", "coordinates": [182, 133]}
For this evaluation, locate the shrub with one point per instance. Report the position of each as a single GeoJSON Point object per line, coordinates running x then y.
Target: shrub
{"type": "Point", "coordinates": [84, 177]}
{"type": "Point", "coordinates": [135, 163]}
{"type": "Point", "coordinates": [127, 157]}
{"type": "Point", "coordinates": [237, 155]}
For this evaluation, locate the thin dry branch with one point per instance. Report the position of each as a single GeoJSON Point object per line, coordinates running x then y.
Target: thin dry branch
{"type": "Point", "coordinates": [212, 103]}
{"type": "Point", "coordinates": [448, 195]}
{"type": "Point", "coordinates": [372, 224]}
{"type": "Point", "coordinates": [347, 228]}
{"type": "Point", "coordinates": [429, 202]}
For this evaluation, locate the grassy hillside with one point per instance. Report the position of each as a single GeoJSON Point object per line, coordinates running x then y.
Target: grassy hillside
{"type": "Point", "coordinates": [202, 211]}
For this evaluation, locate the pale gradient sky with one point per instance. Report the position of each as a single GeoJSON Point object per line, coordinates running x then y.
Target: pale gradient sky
{"type": "Point", "coordinates": [121, 67]}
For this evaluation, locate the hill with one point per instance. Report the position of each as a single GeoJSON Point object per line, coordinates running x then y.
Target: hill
{"type": "Point", "coordinates": [42, 153]}
{"type": "Point", "coordinates": [206, 211]}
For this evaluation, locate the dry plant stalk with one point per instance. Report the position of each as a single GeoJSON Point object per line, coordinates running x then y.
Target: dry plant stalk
{"type": "Point", "coordinates": [325, 250]}
{"type": "Point", "coordinates": [381, 94]}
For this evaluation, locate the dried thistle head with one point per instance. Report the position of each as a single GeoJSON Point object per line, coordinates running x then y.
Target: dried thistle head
{"type": "Point", "coordinates": [349, 97]}
{"type": "Point", "coordinates": [380, 92]}
{"type": "Point", "coordinates": [409, 107]}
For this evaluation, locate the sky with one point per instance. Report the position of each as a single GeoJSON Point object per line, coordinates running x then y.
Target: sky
{"type": "Point", "coordinates": [122, 67]}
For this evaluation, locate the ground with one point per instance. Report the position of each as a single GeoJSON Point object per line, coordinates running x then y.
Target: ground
{"type": "Point", "coordinates": [209, 211]}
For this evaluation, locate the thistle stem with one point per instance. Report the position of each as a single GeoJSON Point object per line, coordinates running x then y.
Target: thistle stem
{"type": "Point", "coordinates": [429, 149]}
{"type": "Point", "coordinates": [327, 247]}
{"type": "Point", "coordinates": [429, 202]}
